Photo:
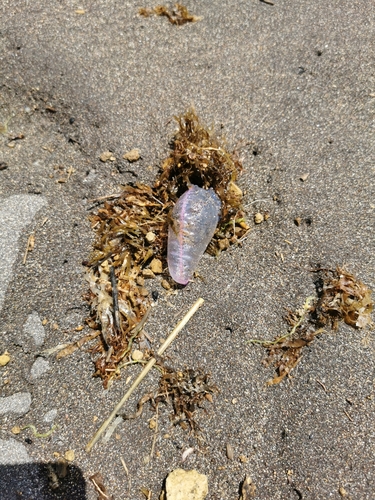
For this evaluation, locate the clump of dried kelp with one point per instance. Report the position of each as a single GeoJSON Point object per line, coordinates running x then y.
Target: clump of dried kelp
{"type": "Point", "coordinates": [131, 237]}
{"type": "Point", "coordinates": [199, 157]}
{"type": "Point", "coordinates": [178, 16]}
{"type": "Point", "coordinates": [187, 390]}
{"type": "Point", "coordinates": [342, 297]}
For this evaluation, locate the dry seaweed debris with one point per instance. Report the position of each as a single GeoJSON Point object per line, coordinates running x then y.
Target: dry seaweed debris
{"type": "Point", "coordinates": [344, 298]}
{"type": "Point", "coordinates": [341, 297]}
{"type": "Point", "coordinates": [178, 15]}
{"type": "Point", "coordinates": [186, 390]}
{"type": "Point", "coordinates": [124, 252]}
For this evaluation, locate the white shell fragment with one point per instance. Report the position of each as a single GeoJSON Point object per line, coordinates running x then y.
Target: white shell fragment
{"type": "Point", "coordinates": [194, 220]}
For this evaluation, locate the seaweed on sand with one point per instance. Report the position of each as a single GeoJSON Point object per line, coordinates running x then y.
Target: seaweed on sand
{"type": "Point", "coordinates": [178, 16]}
{"type": "Point", "coordinates": [131, 237]}
{"type": "Point", "coordinates": [341, 297]}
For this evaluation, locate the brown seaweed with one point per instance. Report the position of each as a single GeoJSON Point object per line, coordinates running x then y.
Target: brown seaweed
{"type": "Point", "coordinates": [178, 15]}
{"type": "Point", "coordinates": [341, 297]}
{"type": "Point", "coordinates": [131, 237]}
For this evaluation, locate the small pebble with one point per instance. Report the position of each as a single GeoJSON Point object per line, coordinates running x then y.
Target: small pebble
{"type": "Point", "coordinates": [137, 355]}
{"type": "Point", "coordinates": [156, 266]}
{"type": "Point", "coordinates": [230, 452]}
{"type": "Point", "coordinates": [342, 491]}
{"type": "Point", "coordinates": [165, 285]}
{"type": "Point", "coordinates": [150, 236]}
{"type": "Point", "coordinates": [107, 156]}
{"type": "Point", "coordinates": [258, 218]}
{"type": "Point", "coordinates": [132, 155]}
{"type": "Point", "coordinates": [304, 177]}
{"type": "Point", "coordinates": [39, 367]}
{"type": "Point", "coordinates": [4, 359]}
{"type": "Point", "coordinates": [69, 455]}
{"type": "Point", "coordinates": [19, 403]}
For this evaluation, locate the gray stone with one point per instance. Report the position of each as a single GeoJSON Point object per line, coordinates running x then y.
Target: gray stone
{"type": "Point", "coordinates": [16, 213]}
{"type": "Point", "coordinates": [13, 452]}
{"type": "Point", "coordinates": [39, 367]}
{"type": "Point", "coordinates": [34, 328]}
{"type": "Point", "coordinates": [18, 403]}
{"type": "Point", "coordinates": [50, 415]}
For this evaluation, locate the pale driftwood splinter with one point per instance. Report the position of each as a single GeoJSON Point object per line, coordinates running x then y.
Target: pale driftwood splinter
{"type": "Point", "coordinates": [144, 372]}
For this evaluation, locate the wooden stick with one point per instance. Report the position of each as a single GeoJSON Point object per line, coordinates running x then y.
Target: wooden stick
{"type": "Point", "coordinates": [171, 337]}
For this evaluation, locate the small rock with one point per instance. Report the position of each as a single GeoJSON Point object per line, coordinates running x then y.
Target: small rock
{"type": "Point", "coordinates": [165, 285]}
{"type": "Point", "coordinates": [150, 236]}
{"type": "Point", "coordinates": [13, 452]}
{"type": "Point", "coordinates": [156, 266]}
{"type": "Point", "coordinates": [137, 355]}
{"type": "Point", "coordinates": [69, 455]}
{"type": "Point", "coordinates": [148, 274]}
{"type": "Point", "coordinates": [50, 415]}
{"type": "Point", "coordinates": [230, 452]}
{"type": "Point", "coordinates": [39, 367]}
{"type": "Point", "coordinates": [304, 177]}
{"type": "Point", "coordinates": [343, 491]}
{"type": "Point", "coordinates": [107, 156]}
{"type": "Point", "coordinates": [258, 218]}
{"type": "Point", "coordinates": [132, 155]}
{"type": "Point", "coordinates": [15, 430]}
{"type": "Point", "coordinates": [34, 328]}
{"type": "Point", "coordinates": [18, 403]}
{"type": "Point", "coordinates": [186, 485]}
{"type": "Point", "coordinates": [243, 459]}
{"type": "Point", "coordinates": [4, 359]}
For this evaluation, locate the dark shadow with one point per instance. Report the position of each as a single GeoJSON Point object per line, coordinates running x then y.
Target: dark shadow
{"type": "Point", "coordinates": [39, 481]}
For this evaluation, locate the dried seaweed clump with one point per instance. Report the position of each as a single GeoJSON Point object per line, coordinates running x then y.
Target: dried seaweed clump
{"type": "Point", "coordinates": [178, 16]}
{"type": "Point", "coordinates": [187, 391]}
{"type": "Point", "coordinates": [199, 157]}
{"type": "Point", "coordinates": [344, 298]}
{"type": "Point", "coordinates": [285, 352]}
{"type": "Point", "coordinates": [117, 269]}
{"type": "Point", "coordinates": [131, 238]}
{"type": "Point", "coordinates": [341, 298]}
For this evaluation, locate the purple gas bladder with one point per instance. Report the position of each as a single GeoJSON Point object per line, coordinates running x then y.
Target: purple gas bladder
{"type": "Point", "coordinates": [195, 217]}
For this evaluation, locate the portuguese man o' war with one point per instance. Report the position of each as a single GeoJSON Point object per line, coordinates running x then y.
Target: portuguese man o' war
{"type": "Point", "coordinates": [194, 220]}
